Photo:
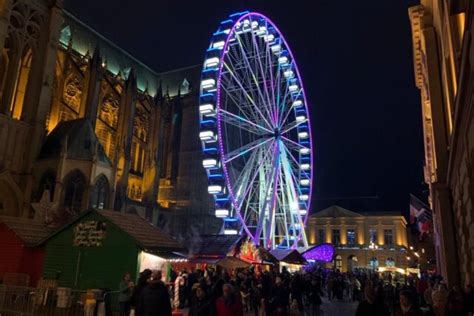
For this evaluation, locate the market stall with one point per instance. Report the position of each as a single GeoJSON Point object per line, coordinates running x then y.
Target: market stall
{"type": "Point", "coordinates": [21, 260]}
{"type": "Point", "coordinates": [291, 259]}
{"type": "Point", "coordinates": [98, 247]}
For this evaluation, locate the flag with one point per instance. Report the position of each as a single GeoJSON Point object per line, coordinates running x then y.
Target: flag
{"type": "Point", "coordinates": [421, 213]}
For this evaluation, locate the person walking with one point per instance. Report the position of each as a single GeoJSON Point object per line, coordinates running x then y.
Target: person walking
{"type": "Point", "coordinates": [137, 290]}
{"type": "Point", "coordinates": [439, 303]}
{"type": "Point", "coordinates": [125, 288]}
{"type": "Point", "coordinates": [407, 305]}
{"type": "Point", "coordinates": [230, 303]}
{"type": "Point", "coordinates": [371, 305]}
{"type": "Point", "coordinates": [200, 304]}
{"type": "Point", "coordinates": [155, 299]}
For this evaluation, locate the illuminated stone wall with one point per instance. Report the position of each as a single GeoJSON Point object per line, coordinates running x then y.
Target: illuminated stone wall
{"type": "Point", "coordinates": [442, 49]}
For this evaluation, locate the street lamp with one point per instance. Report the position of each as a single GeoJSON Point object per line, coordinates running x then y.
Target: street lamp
{"type": "Point", "coordinates": [373, 247]}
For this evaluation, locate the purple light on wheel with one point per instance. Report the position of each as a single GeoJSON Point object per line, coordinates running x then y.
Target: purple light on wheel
{"type": "Point", "coordinates": [323, 252]}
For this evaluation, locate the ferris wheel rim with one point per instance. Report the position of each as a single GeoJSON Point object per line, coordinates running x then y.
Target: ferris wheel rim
{"type": "Point", "coordinates": [221, 134]}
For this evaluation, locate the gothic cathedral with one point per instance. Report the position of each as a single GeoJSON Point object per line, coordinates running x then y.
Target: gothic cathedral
{"type": "Point", "coordinates": [83, 124]}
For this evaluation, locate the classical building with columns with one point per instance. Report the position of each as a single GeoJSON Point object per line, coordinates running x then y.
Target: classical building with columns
{"type": "Point", "coordinates": [373, 240]}
{"type": "Point", "coordinates": [443, 59]}
{"type": "Point", "coordinates": [92, 126]}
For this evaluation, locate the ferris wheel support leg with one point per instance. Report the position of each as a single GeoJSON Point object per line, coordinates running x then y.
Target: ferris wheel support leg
{"type": "Point", "coordinates": [269, 240]}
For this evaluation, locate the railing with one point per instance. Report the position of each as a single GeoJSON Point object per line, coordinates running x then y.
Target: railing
{"type": "Point", "coordinates": [25, 301]}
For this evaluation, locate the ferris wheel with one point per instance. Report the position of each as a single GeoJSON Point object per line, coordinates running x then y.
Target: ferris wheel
{"type": "Point", "coordinates": [255, 132]}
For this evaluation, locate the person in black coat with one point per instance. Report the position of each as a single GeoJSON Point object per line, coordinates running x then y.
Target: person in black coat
{"type": "Point", "coordinates": [200, 304]}
{"type": "Point", "coordinates": [137, 290]}
{"type": "Point", "coordinates": [155, 299]}
{"type": "Point", "coordinates": [371, 305]}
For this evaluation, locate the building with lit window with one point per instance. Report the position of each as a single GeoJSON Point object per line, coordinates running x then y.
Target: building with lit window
{"type": "Point", "coordinates": [443, 60]}
{"type": "Point", "coordinates": [377, 240]}
{"type": "Point", "coordinates": [86, 122]}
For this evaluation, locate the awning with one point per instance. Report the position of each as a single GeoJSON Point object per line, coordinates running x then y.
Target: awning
{"type": "Point", "coordinates": [288, 256]}
{"type": "Point", "coordinates": [233, 263]}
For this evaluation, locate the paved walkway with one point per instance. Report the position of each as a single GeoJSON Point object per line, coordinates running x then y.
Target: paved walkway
{"type": "Point", "coordinates": [328, 308]}
{"type": "Point", "coordinates": [339, 308]}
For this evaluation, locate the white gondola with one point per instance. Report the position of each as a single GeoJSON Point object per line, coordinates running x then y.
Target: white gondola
{"type": "Point", "coordinates": [300, 118]}
{"type": "Point", "coordinates": [211, 62]}
{"type": "Point", "coordinates": [222, 212]}
{"type": "Point", "coordinates": [207, 109]}
{"type": "Point", "coordinates": [207, 136]}
{"type": "Point", "coordinates": [210, 163]}
{"type": "Point", "coordinates": [288, 74]}
{"type": "Point", "coordinates": [303, 135]}
{"type": "Point", "coordinates": [304, 182]}
{"type": "Point", "coordinates": [214, 189]}
{"type": "Point", "coordinates": [304, 197]}
{"type": "Point", "coordinates": [304, 151]}
{"type": "Point", "coordinates": [218, 45]}
{"type": "Point", "coordinates": [305, 166]}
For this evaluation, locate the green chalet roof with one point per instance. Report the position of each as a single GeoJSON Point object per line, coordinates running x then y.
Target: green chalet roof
{"type": "Point", "coordinates": [80, 139]}
{"type": "Point", "coordinates": [84, 40]}
{"type": "Point", "coordinates": [146, 236]}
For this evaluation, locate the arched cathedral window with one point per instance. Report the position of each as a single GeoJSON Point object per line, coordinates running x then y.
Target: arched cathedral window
{"type": "Point", "coordinates": [100, 193]}
{"type": "Point", "coordinates": [47, 182]}
{"type": "Point", "coordinates": [74, 191]}
{"type": "Point", "coordinates": [24, 31]}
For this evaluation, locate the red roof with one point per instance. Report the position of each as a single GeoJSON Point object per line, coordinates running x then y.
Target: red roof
{"type": "Point", "coordinates": [31, 232]}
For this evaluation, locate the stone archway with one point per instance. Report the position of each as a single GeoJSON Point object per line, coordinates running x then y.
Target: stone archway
{"type": "Point", "coordinates": [352, 262]}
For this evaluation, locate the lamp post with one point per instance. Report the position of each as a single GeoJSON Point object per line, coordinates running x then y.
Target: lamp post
{"type": "Point", "coordinates": [373, 247]}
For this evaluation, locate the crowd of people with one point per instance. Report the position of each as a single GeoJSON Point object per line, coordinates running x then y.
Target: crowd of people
{"type": "Point", "coordinates": [218, 292]}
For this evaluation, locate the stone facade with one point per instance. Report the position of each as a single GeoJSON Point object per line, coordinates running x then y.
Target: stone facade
{"type": "Point", "coordinates": [360, 238]}
{"type": "Point", "coordinates": [92, 126]}
{"type": "Point", "coordinates": [443, 61]}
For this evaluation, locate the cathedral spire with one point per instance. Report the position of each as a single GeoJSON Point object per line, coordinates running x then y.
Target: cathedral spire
{"type": "Point", "coordinates": [132, 79]}
{"type": "Point", "coordinates": [96, 60]}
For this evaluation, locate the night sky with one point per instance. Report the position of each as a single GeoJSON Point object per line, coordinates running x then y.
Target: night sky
{"type": "Point", "coordinates": [355, 58]}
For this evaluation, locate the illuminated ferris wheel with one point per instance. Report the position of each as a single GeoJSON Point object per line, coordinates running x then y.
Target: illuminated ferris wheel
{"type": "Point", "coordinates": [255, 132]}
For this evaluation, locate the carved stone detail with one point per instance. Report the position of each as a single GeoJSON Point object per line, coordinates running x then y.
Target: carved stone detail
{"type": "Point", "coordinates": [72, 92]}
{"type": "Point", "coordinates": [140, 123]}
{"type": "Point", "coordinates": [109, 106]}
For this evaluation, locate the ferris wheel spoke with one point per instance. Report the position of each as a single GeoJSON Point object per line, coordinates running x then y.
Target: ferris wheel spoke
{"type": "Point", "coordinates": [243, 123]}
{"type": "Point", "coordinates": [244, 79]}
{"type": "Point", "coordinates": [292, 144]}
{"type": "Point", "coordinates": [262, 98]}
{"type": "Point", "coordinates": [247, 95]}
{"type": "Point", "coordinates": [288, 111]}
{"type": "Point", "coordinates": [245, 149]}
{"type": "Point", "coordinates": [269, 67]}
{"type": "Point", "coordinates": [264, 77]}
{"type": "Point", "coordinates": [289, 127]}
{"type": "Point", "coordinates": [256, 172]}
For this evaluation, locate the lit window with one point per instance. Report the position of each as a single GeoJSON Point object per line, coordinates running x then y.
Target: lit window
{"type": "Point", "coordinates": [388, 237]}
{"type": "Point", "coordinates": [351, 237]}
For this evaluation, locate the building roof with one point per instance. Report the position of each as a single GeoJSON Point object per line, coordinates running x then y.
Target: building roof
{"type": "Point", "coordinates": [288, 256]}
{"type": "Point", "coordinates": [31, 232]}
{"type": "Point", "coordinates": [82, 142]}
{"type": "Point", "coordinates": [147, 235]}
{"type": "Point", "coordinates": [84, 40]}
{"type": "Point", "coordinates": [336, 211]}
{"type": "Point", "coordinates": [212, 245]}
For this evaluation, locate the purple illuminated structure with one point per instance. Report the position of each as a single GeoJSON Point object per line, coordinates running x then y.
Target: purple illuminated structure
{"type": "Point", "coordinates": [255, 132]}
{"type": "Point", "coordinates": [323, 252]}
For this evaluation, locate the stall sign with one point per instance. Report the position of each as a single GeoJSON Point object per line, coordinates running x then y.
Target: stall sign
{"type": "Point", "coordinates": [89, 234]}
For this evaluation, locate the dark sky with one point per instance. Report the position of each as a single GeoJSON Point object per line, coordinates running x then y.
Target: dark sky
{"type": "Point", "coordinates": [355, 58]}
